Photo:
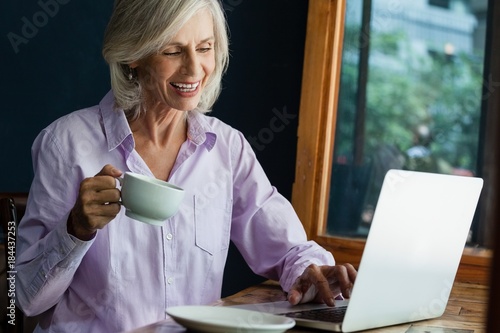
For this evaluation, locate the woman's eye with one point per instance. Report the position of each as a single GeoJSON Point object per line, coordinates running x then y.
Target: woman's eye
{"type": "Point", "coordinates": [171, 53]}
{"type": "Point", "coordinates": [204, 49]}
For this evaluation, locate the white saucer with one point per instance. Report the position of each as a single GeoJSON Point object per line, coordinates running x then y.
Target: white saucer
{"type": "Point", "coordinates": [221, 319]}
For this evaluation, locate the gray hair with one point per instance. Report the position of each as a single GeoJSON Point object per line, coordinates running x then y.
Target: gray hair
{"type": "Point", "coordinates": [140, 28]}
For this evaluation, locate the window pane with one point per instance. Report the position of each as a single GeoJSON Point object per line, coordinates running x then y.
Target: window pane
{"type": "Point", "coordinates": [410, 98]}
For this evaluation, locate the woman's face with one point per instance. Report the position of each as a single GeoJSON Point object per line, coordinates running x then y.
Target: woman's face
{"type": "Point", "coordinates": [175, 77]}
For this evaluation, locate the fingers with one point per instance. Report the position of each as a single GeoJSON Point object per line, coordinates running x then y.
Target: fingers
{"type": "Point", "coordinates": [323, 284]}
{"type": "Point", "coordinates": [294, 297]}
{"type": "Point", "coordinates": [302, 291]}
{"type": "Point", "coordinates": [99, 190]}
{"type": "Point", "coordinates": [109, 170]}
{"type": "Point", "coordinates": [97, 203]}
{"type": "Point", "coordinates": [341, 277]}
{"type": "Point", "coordinates": [324, 294]}
{"type": "Point", "coordinates": [311, 285]}
{"type": "Point", "coordinates": [100, 202]}
{"type": "Point", "coordinates": [351, 278]}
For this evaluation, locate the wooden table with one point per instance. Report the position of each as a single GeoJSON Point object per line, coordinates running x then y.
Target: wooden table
{"type": "Point", "coordinates": [465, 313]}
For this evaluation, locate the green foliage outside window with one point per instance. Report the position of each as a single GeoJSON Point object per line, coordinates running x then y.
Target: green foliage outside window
{"type": "Point", "coordinates": [406, 89]}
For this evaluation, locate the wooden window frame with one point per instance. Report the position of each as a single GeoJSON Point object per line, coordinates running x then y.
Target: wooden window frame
{"type": "Point", "coordinates": [316, 133]}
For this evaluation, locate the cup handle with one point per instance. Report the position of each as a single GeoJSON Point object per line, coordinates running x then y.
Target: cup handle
{"type": "Point", "coordinates": [119, 181]}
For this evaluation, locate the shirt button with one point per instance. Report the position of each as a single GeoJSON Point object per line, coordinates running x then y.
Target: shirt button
{"type": "Point", "coordinates": [169, 236]}
{"type": "Point", "coordinates": [170, 280]}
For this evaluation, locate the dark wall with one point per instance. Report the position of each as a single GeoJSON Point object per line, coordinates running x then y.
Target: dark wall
{"type": "Point", "coordinates": [52, 64]}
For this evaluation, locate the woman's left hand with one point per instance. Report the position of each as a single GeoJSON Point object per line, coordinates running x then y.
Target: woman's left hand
{"type": "Point", "coordinates": [322, 284]}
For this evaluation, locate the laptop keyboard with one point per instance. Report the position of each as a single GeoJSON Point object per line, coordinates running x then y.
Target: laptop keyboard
{"type": "Point", "coordinates": [333, 315]}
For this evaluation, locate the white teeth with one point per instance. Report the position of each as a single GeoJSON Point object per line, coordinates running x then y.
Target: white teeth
{"type": "Point", "coordinates": [186, 87]}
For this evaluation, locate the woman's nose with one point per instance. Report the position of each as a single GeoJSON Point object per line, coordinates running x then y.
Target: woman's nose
{"type": "Point", "coordinates": [191, 64]}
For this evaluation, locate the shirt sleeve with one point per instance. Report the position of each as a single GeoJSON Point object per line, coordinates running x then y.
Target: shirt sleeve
{"type": "Point", "coordinates": [265, 228]}
{"type": "Point", "coordinates": [47, 256]}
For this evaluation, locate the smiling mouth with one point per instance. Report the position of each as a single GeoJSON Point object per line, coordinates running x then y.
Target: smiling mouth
{"type": "Point", "coordinates": [185, 87]}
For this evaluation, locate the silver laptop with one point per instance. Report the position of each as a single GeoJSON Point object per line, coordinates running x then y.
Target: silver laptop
{"type": "Point", "coordinates": [411, 256]}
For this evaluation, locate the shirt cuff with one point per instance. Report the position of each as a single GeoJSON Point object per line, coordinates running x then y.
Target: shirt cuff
{"type": "Point", "coordinates": [314, 254]}
{"type": "Point", "coordinates": [71, 249]}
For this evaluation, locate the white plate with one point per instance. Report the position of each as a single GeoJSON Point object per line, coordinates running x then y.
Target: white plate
{"type": "Point", "coordinates": [221, 319]}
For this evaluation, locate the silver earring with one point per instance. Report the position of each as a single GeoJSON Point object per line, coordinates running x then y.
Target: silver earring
{"type": "Point", "coordinates": [130, 74]}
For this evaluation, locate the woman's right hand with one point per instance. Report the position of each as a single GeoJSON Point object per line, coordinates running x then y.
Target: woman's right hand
{"type": "Point", "coordinates": [97, 204]}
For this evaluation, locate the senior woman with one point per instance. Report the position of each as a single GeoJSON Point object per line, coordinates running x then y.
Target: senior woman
{"type": "Point", "coordinates": [85, 266]}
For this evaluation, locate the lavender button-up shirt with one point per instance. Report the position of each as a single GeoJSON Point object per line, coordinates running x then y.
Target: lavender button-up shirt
{"type": "Point", "coordinates": [130, 272]}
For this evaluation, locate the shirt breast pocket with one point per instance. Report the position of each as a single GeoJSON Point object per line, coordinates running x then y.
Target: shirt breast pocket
{"type": "Point", "coordinates": [212, 218]}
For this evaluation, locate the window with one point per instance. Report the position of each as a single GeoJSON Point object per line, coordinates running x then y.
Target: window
{"type": "Point", "coordinates": [409, 98]}
{"type": "Point", "coordinates": [321, 132]}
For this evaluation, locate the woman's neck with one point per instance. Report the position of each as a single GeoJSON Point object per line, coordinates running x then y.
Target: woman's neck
{"type": "Point", "coordinates": [160, 126]}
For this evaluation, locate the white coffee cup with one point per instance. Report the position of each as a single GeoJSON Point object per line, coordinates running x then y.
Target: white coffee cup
{"type": "Point", "coordinates": [148, 199]}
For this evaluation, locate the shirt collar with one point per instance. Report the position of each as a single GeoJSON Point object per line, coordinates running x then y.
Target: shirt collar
{"type": "Point", "coordinates": [117, 129]}
{"type": "Point", "coordinates": [199, 130]}
{"type": "Point", "coordinates": [115, 122]}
